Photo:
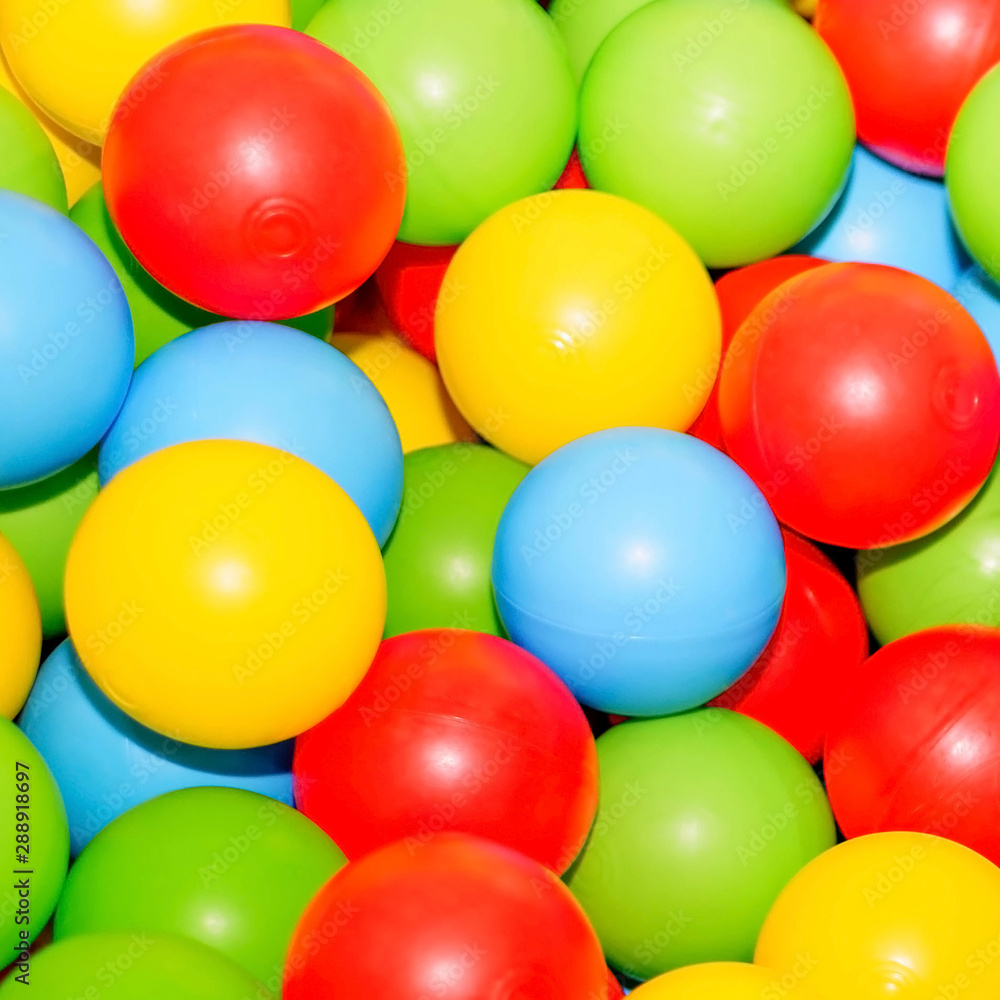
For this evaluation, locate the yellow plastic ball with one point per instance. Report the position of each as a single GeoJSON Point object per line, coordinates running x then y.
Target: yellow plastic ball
{"type": "Point", "coordinates": [75, 57]}
{"type": "Point", "coordinates": [225, 594]}
{"type": "Point", "coordinates": [725, 981]}
{"type": "Point", "coordinates": [411, 387]}
{"type": "Point", "coordinates": [571, 312]}
{"type": "Point", "coordinates": [890, 916]}
{"type": "Point", "coordinates": [20, 631]}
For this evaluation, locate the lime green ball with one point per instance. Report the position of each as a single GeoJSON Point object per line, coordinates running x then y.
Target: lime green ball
{"type": "Point", "coordinates": [223, 866]}
{"type": "Point", "coordinates": [950, 577]}
{"type": "Point", "coordinates": [972, 173]}
{"type": "Point", "coordinates": [34, 841]}
{"type": "Point", "coordinates": [28, 163]}
{"type": "Point", "coordinates": [303, 11]}
{"type": "Point", "coordinates": [136, 966]}
{"type": "Point", "coordinates": [703, 818]}
{"type": "Point", "coordinates": [483, 95]}
{"type": "Point", "coordinates": [731, 121]}
{"type": "Point", "coordinates": [40, 521]}
{"type": "Point", "coordinates": [437, 560]}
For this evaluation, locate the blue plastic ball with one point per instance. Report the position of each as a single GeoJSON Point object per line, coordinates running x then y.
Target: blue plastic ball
{"type": "Point", "coordinates": [104, 762]}
{"type": "Point", "coordinates": [66, 343]}
{"type": "Point", "coordinates": [272, 385]}
{"type": "Point", "coordinates": [643, 566]}
{"type": "Point", "coordinates": [980, 295]}
{"type": "Point", "coordinates": [888, 216]}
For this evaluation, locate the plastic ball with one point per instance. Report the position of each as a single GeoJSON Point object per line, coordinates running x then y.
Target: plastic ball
{"type": "Point", "coordinates": [437, 561]}
{"type": "Point", "coordinates": [741, 155]}
{"type": "Point", "coordinates": [461, 916]}
{"type": "Point", "coordinates": [29, 165]}
{"type": "Point", "coordinates": [225, 594]}
{"type": "Point", "coordinates": [139, 966]}
{"type": "Point", "coordinates": [642, 566]}
{"type": "Point", "coordinates": [906, 116]}
{"type": "Point", "coordinates": [575, 311]}
{"type": "Point", "coordinates": [723, 981]}
{"type": "Point", "coordinates": [21, 634]}
{"type": "Point", "coordinates": [265, 383]}
{"type": "Point", "coordinates": [972, 177]}
{"type": "Point", "coordinates": [40, 522]}
{"type": "Point", "coordinates": [703, 818]}
{"type": "Point", "coordinates": [893, 914]}
{"type": "Point", "coordinates": [483, 95]}
{"type": "Point", "coordinates": [66, 354]}
{"type": "Point", "coordinates": [818, 648]}
{"type": "Point", "coordinates": [980, 295]}
{"type": "Point", "coordinates": [43, 865]}
{"type": "Point", "coordinates": [453, 730]}
{"type": "Point", "coordinates": [75, 60]}
{"type": "Point", "coordinates": [411, 387]}
{"type": "Point", "coordinates": [104, 762]}
{"type": "Point", "coordinates": [868, 411]}
{"type": "Point", "coordinates": [887, 216]}
{"type": "Point", "coordinates": [223, 866]}
{"type": "Point", "coordinates": [252, 180]}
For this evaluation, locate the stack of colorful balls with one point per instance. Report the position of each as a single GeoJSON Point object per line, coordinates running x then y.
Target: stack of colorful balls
{"type": "Point", "coordinates": [498, 499]}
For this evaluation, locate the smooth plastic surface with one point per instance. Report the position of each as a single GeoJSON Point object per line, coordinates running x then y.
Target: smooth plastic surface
{"type": "Point", "coordinates": [483, 96]}
{"type": "Point", "coordinates": [889, 915]}
{"type": "Point", "coordinates": [461, 917]}
{"type": "Point", "coordinates": [225, 594]}
{"type": "Point", "coordinates": [868, 411]}
{"type": "Point", "coordinates": [703, 818]}
{"type": "Point", "coordinates": [104, 762]}
{"type": "Point", "coordinates": [437, 561]}
{"type": "Point", "coordinates": [29, 163]}
{"type": "Point", "coordinates": [817, 650]}
{"type": "Point", "coordinates": [905, 114]}
{"type": "Point", "coordinates": [66, 343]}
{"type": "Point", "coordinates": [980, 295]}
{"type": "Point", "coordinates": [741, 154]}
{"type": "Point", "coordinates": [572, 312]}
{"type": "Point", "coordinates": [723, 981]}
{"type": "Point", "coordinates": [252, 180]}
{"type": "Point", "coordinates": [226, 867]}
{"type": "Point", "coordinates": [265, 383]}
{"type": "Point", "coordinates": [453, 730]}
{"type": "Point", "coordinates": [643, 566]}
{"type": "Point", "coordinates": [21, 632]}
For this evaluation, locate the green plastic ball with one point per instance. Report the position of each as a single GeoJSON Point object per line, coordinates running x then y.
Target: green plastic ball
{"type": "Point", "coordinates": [34, 841]}
{"type": "Point", "coordinates": [949, 577]}
{"type": "Point", "coordinates": [136, 966]}
{"type": "Point", "coordinates": [703, 818]}
{"type": "Point", "coordinates": [483, 95]}
{"type": "Point", "coordinates": [303, 11]}
{"type": "Point", "coordinates": [972, 173]}
{"type": "Point", "coordinates": [437, 560]}
{"type": "Point", "coordinates": [223, 866]}
{"type": "Point", "coordinates": [28, 163]}
{"type": "Point", "coordinates": [740, 135]}
{"type": "Point", "coordinates": [40, 521]}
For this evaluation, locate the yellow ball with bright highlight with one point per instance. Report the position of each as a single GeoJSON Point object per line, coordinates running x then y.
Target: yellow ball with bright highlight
{"type": "Point", "coordinates": [75, 57]}
{"type": "Point", "coordinates": [20, 631]}
{"type": "Point", "coordinates": [572, 312]}
{"type": "Point", "coordinates": [725, 981]}
{"type": "Point", "coordinates": [890, 916]}
{"type": "Point", "coordinates": [411, 387]}
{"type": "Point", "coordinates": [224, 593]}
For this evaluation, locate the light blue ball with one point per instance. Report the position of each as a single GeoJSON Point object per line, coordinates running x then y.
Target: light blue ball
{"type": "Point", "coordinates": [272, 385]}
{"type": "Point", "coordinates": [66, 342]}
{"type": "Point", "coordinates": [889, 216]}
{"type": "Point", "coordinates": [643, 566]}
{"type": "Point", "coordinates": [105, 762]}
{"type": "Point", "coordinates": [980, 295]}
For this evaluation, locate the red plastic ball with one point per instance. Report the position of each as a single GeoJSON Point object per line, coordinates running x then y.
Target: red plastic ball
{"type": "Point", "coordinates": [251, 178]}
{"type": "Point", "coordinates": [868, 410]}
{"type": "Point", "coordinates": [459, 917]}
{"type": "Point", "coordinates": [910, 66]}
{"type": "Point", "coordinates": [453, 730]}
{"type": "Point", "coordinates": [916, 742]}
{"type": "Point", "coordinates": [572, 177]}
{"type": "Point", "coordinates": [739, 291]}
{"type": "Point", "coordinates": [820, 643]}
